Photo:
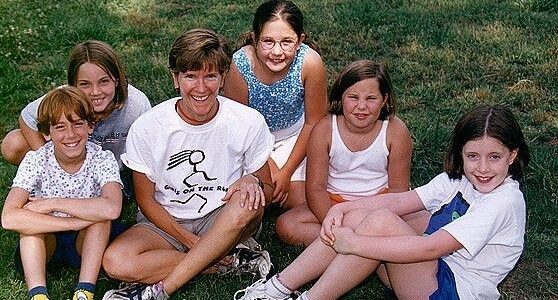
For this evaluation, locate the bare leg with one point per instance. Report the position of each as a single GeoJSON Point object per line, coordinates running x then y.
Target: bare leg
{"type": "Point", "coordinates": [140, 255]}
{"type": "Point", "coordinates": [232, 225]}
{"type": "Point", "coordinates": [346, 271]}
{"type": "Point", "coordinates": [91, 244]}
{"type": "Point", "coordinates": [33, 258]}
{"type": "Point", "coordinates": [315, 259]}
{"type": "Point", "coordinates": [14, 147]}
{"type": "Point", "coordinates": [297, 195]}
{"type": "Point", "coordinates": [418, 221]}
{"type": "Point", "coordinates": [298, 226]}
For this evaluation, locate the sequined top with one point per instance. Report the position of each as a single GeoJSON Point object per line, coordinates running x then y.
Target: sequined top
{"type": "Point", "coordinates": [282, 102]}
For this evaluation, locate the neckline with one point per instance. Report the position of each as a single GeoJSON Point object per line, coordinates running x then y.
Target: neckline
{"type": "Point", "coordinates": [189, 120]}
{"type": "Point", "coordinates": [252, 60]}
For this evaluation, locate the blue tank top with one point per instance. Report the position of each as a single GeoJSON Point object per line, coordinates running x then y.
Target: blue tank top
{"type": "Point", "coordinates": [282, 102]}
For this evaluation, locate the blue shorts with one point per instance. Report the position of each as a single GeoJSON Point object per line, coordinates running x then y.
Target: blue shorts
{"type": "Point", "coordinates": [66, 252]}
{"type": "Point", "coordinates": [446, 283]}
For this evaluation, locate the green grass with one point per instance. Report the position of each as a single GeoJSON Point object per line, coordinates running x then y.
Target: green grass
{"type": "Point", "coordinates": [444, 57]}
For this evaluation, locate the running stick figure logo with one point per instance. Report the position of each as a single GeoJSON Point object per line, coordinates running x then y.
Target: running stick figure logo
{"type": "Point", "coordinates": [194, 158]}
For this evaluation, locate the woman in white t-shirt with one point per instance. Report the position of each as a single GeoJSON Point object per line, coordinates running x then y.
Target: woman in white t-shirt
{"type": "Point", "coordinates": [474, 235]}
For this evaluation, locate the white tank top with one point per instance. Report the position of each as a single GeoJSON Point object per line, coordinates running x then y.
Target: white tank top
{"type": "Point", "coordinates": [357, 174]}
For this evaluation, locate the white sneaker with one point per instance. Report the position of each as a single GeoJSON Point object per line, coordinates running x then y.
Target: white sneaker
{"type": "Point", "coordinates": [137, 291]}
{"type": "Point", "coordinates": [248, 257]}
{"type": "Point", "coordinates": [256, 291]}
{"type": "Point", "coordinates": [245, 260]}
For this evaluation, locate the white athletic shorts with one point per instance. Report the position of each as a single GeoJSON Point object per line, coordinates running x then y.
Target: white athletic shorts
{"type": "Point", "coordinates": [281, 151]}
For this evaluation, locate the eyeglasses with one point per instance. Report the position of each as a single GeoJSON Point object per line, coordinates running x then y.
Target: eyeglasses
{"type": "Point", "coordinates": [285, 45]}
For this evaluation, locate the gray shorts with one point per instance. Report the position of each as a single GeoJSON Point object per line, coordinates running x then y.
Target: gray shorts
{"type": "Point", "coordinates": [198, 227]}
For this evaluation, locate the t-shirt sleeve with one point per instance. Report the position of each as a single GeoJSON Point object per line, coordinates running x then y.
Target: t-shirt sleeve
{"type": "Point", "coordinates": [259, 146]}
{"type": "Point", "coordinates": [138, 156]}
{"type": "Point", "coordinates": [434, 192]}
{"type": "Point", "coordinates": [28, 172]}
{"type": "Point", "coordinates": [480, 224]}
{"type": "Point", "coordinates": [29, 113]}
{"type": "Point", "coordinates": [106, 168]}
{"type": "Point", "coordinates": [139, 99]}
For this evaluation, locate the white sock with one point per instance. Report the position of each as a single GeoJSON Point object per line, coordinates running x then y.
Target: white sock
{"type": "Point", "coordinates": [276, 289]}
{"type": "Point", "coordinates": [303, 296]}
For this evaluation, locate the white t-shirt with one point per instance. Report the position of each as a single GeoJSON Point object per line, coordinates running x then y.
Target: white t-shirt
{"type": "Point", "coordinates": [109, 133]}
{"type": "Point", "coordinates": [491, 228]}
{"type": "Point", "coordinates": [193, 166]}
{"type": "Point", "coordinates": [42, 176]}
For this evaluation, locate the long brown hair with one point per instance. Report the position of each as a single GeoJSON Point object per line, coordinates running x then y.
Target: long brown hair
{"type": "Point", "coordinates": [102, 55]}
{"type": "Point", "coordinates": [495, 121]}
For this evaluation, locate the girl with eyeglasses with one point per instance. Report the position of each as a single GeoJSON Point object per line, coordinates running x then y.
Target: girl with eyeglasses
{"type": "Point", "coordinates": [281, 74]}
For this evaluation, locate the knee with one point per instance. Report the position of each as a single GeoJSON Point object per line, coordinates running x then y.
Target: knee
{"type": "Point", "coordinates": [377, 222]}
{"type": "Point", "coordinates": [100, 227]}
{"type": "Point", "coordinates": [13, 147]}
{"type": "Point", "coordinates": [286, 226]}
{"type": "Point", "coordinates": [116, 264]}
{"type": "Point", "coordinates": [298, 227]}
{"type": "Point", "coordinates": [241, 218]}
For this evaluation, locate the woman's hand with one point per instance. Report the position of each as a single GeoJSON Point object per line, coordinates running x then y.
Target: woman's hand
{"type": "Point", "coordinates": [251, 193]}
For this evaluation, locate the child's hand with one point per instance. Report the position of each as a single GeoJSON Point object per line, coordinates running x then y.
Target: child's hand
{"type": "Point", "coordinates": [39, 205]}
{"type": "Point", "coordinates": [282, 184]}
{"type": "Point", "coordinates": [344, 239]}
{"type": "Point", "coordinates": [334, 217]}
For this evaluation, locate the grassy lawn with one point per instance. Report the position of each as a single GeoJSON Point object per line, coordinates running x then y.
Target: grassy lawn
{"type": "Point", "coordinates": [445, 56]}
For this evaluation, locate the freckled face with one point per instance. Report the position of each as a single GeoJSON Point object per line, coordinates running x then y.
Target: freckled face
{"type": "Point", "coordinates": [362, 103]}
{"type": "Point", "coordinates": [98, 85]}
{"type": "Point", "coordinates": [277, 46]}
{"type": "Point", "coordinates": [486, 162]}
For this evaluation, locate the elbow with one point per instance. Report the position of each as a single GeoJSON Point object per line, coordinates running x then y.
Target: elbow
{"type": "Point", "coordinates": [112, 207]}
{"type": "Point", "coordinates": [113, 213]}
{"type": "Point", "coordinates": [8, 222]}
{"type": "Point", "coordinates": [12, 224]}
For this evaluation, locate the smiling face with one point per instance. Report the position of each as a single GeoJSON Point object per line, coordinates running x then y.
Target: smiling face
{"type": "Point", "coordinates": [69, 138]}
{"type": "Point", "coordinates": [362, 103]}
{"type": "Point", "coordinates": [97, 84]}
{"type": "Point", "coordinates": [199, 90]}
{"type": "Point", "coordinates": [275, 36]}
{"type": "Point", "coordinates": [486, 162]}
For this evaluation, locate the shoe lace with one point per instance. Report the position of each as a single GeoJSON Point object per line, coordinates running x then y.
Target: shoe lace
{"type": "Point", "coordinates": [251, 261]}
{"type": "Point", "coordinates": [127, 290]}
{"type": "Point", "coordinates": [247, 292]}
{"type": "Point", "coordinates": [148, 294]}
